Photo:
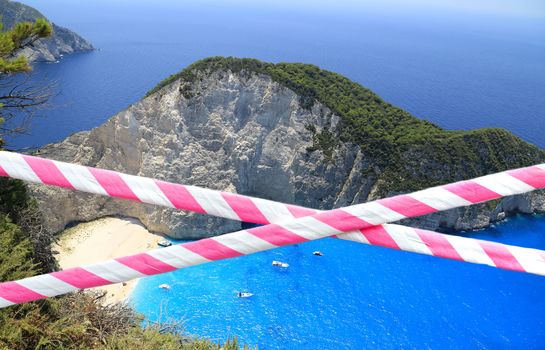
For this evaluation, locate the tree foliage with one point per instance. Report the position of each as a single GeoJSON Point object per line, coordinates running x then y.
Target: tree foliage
{"type": "Point", "coordinates": [17, 259]}
{"type": "Point", "coordinates": [23, 34]}
{"type": "Point", "coordinates": [18, 99]}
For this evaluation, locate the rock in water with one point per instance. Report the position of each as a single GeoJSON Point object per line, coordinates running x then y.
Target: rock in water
{"type": "Point", "coordinates": [227, 125]}
{"type": "Point", "coordinates": [62, 42]}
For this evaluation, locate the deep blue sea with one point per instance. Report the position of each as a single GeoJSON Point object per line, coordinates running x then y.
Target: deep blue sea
{"type": "Point", "coordinates": [459, 69]}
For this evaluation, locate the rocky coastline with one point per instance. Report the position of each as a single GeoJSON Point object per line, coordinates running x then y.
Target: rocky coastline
{"type": "Point", "coordinates": [239, 132]}
{"type": "Point", "coordinates": [62, 42]}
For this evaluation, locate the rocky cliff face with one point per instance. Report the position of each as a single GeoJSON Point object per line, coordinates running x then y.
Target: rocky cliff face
{"type": "Point", "coordinates": [235, 132]}
{"type": "Point", "coordinates": [62, 42]}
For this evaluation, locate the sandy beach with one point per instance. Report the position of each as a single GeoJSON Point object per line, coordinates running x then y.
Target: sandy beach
{"type": "Point", "coordinates": [105, 239]}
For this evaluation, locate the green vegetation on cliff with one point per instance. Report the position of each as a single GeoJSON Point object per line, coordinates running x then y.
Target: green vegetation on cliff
{"type": "Point", "coordinates": [409, 153]}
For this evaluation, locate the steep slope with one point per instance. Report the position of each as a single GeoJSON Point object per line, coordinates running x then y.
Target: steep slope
{"type": "Point", "coordinates": [63, 41]}
{"type": "Point", "coordinates": [288, 132]}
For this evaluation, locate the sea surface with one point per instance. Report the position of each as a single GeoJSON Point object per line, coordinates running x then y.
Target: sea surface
{"type": "Point", "coordinates": [457, 69]}
{"type": "Point", "coordinates": [358, 297]}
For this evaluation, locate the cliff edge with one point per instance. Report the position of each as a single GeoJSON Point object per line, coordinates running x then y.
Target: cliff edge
{"type": "Point", "coordinates": [286, 132]}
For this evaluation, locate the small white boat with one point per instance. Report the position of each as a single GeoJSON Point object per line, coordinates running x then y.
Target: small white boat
{"type": "Point", "coordinates": [317, 253]}
{"type": "Point", "coordinates": [280, 264]}
{"type": "Point", "coordinates": [164, 286]}
{"type": "Point", "coordinates": [164, 243]}
{"type": "Point", "coordinates": [244, 294]}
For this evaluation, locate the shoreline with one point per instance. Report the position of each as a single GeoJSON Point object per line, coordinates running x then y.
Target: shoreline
{"type": "Point", "coordinates": [105, 239]}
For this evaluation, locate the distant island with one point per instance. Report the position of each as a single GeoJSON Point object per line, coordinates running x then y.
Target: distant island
{"type": "Point", "coordinates": [290, 132]}
{"type": "Point", "coordinates": [63, 41]}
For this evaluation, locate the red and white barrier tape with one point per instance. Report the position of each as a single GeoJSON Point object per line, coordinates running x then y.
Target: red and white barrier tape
{"type": "Point", "coordinates": [249, 209]}
{"type": "Point", "coordinates": [261, 211]}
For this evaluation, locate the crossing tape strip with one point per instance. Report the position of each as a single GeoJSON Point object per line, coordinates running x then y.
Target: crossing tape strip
{"type": "Point", "coordinates": [284, 224]}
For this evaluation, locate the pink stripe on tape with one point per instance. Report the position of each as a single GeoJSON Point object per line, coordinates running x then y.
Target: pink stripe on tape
{"type": "Point", "coordinates": [180, 197]}
{"type": "Point", "coordinates": [3, 172]}
{"type": "Point", "coordinates": [299, 212]}
{"type": "Point", "coordinates": [211, 249]}
{"type": "Point", "coordinates": [16, 293]}
{"type": "Point", "coordinates": [245, 208]}
{"type": "Point", "coordinates": [471, 191]}
{"type": "Point", "coordinates": [438, 245]}
{"type": "Point", "coordinates": [341, 220]}
{"type": "Point", "coordinates": [113, 184]}
{"type": "Point", "coordinates": [501, 256]}
{"type": "Point", "coordinates": [533, 176]}
{"type": "Point", "coordinates": [276, 234]}
{"type": "Point", "coordinates": [47, 171]}
{"type": "Point", "coordinates": [377, 235]}
{"type": "Point", "coordinates": [406, 206]}
{"type": "Point", "coordinates": [146, 264]}
{"type": "Point", "coordinates": [80, 278]}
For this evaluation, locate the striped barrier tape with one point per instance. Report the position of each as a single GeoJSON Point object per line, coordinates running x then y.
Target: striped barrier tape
{"type": "Point", "coordinates": [247, 242]}
{"type": "Point", "coordinates": [261, 211]}
{"type": "Point", "coordinates": [304, 228]}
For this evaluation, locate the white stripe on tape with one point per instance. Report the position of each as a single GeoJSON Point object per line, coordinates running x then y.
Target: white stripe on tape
{"type": "Point", "coordinates": [5, 303]}
{"type": "Point", "coordinates": [529, 259]}
{"type": "Point", "coordinates": [213, 202]}
{"type": "Point", "coordinates": [47, 285]}
{"type": "Point", "coordinates": [355, 236]}
{"type": "Point", "coordinates": [439, 198]}
{"type": "Point", "coordinates": [15, 165]}
{"type": "Point", "coordinates": [244, 242]}
{"type": "Point", "coordinates": [113, 271]}
{"type": "Point", "coordinates": [81, 178]}
{"type": "Point", "coordinates": [146, 190]}
{"type": "Point", "coordinates": [503, 184]}
{"type": "Point", "coordinates": [407, 239]}
{"type": "Point", "coordinates": [179, 258]}
{"type": "Point", "coordinates": [469, 250]}
{"type": "Point", "coordinates": [273, 211]}
{"type": "Point", "coordinates": [310, 228]}
{"type": "Point", "coordinates": [374, 213]}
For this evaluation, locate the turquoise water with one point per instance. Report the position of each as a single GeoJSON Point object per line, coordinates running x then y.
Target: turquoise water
{"type": "Point", "coordinates": [358, 296]}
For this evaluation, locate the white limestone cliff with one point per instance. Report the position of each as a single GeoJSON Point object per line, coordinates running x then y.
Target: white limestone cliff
{"type": "Point", "coordinates": [238, 132]}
